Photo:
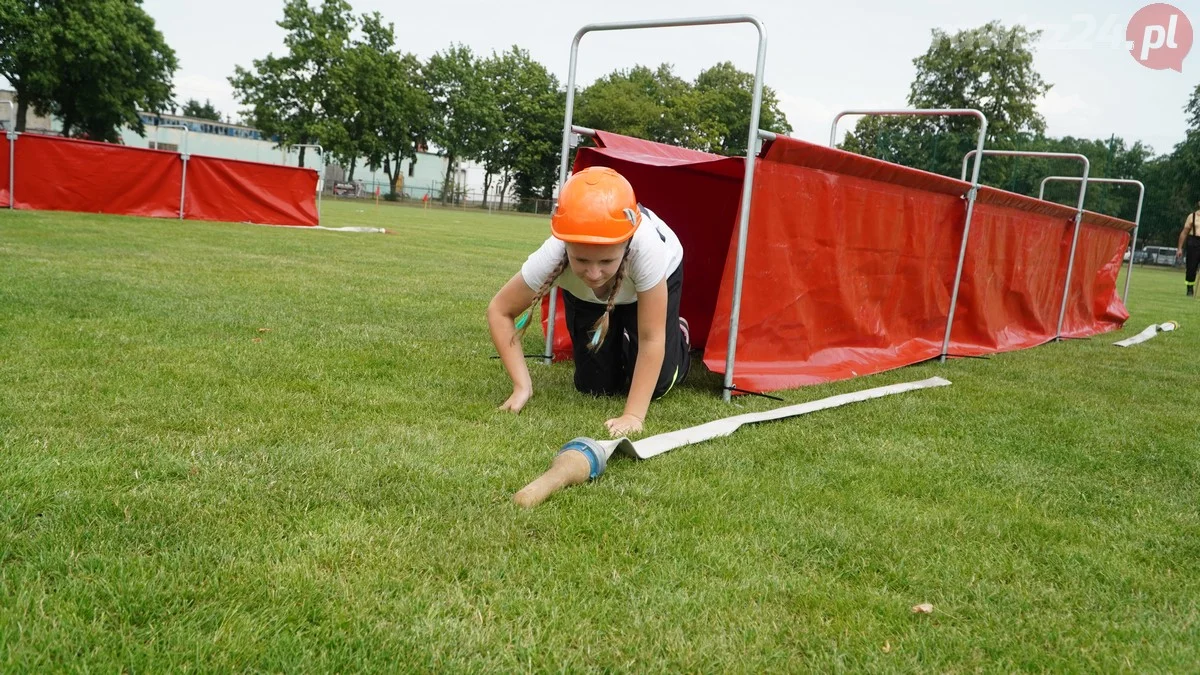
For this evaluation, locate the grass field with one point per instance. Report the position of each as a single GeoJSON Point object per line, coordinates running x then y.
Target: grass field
{"type": "Point", "coordinates": [230, 447]}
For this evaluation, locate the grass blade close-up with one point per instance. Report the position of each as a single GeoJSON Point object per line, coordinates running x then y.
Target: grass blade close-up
{"type": "Point", "coordinates": [249, 448]}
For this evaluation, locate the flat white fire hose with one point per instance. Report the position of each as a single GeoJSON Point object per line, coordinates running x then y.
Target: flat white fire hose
{"type": "Point", "coordinates": [368, 230]}
{"type": "Point", "coordinates": [585, 458]}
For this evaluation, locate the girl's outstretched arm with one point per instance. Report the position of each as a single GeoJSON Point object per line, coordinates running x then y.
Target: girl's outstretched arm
{"type": "Point", "coordinates": [510, 302]}
{"type": "Point", "coordinates": [652, 343]}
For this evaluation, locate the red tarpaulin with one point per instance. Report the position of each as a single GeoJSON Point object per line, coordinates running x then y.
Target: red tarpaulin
{"type": "Point", "coordinates": [850, 261]}
{"type": "Point", "coordinates": [4, 145]}
{"type": "Point", "coordinates": [65, 174]}
{"type": "Point", "coordinates": [1013, 275]}
{"type": "Point", "coordinates": [696, 188]}
{"type": "Point", "coordinates": [1095, 305]}
{"type": "Point", "coordinates": [231, 190]}
{"type": "Point", "coordinates": [62, 174]}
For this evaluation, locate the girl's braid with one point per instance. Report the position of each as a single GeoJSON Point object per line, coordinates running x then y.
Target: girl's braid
{"type": "Point", "coordinates": [600, 328]}
{"type": "Point", "coordinates": [526, 317]}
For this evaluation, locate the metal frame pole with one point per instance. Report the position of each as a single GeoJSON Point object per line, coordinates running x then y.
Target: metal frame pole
{"type": "Point", "coordinates": [320, 176]}
{"type": "Point", "coordinates": [11, 134]}
{"type": "Point", "coordinates": [971, 195]}
{"type": "Point", "coordinates": [12, 169]}
{"type": "Point", "coordinates": [751, 153]}
{"type": "Point", "coordinates": [1137, 219]}
{"type": "Point", "coordinates": [184, 156]}
{"type": "Point", "coordinates": [1087, 167]}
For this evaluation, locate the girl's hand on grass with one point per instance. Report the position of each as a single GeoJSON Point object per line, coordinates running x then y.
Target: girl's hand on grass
{"type": "Point", "coordinates": [519, 398]}
{"type": "Point", "coordinates": [625, 425]}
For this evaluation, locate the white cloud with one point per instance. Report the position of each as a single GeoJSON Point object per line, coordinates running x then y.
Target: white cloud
{"type": "Point", "coordinates": [1057, 104]}
{"type": "Point", "coordinates": [810, 118]}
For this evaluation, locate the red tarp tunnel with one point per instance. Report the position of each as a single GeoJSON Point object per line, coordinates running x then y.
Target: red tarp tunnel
{"type": "Point", "coordinates": [850, 261]}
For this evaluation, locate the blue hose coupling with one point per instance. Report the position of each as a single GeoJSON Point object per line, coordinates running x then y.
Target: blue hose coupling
{"type": "Point", "coordinates": [596, 456]}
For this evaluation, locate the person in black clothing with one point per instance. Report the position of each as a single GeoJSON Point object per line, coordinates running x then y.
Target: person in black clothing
{"type": "Point", "coordinates": [1189, 243]}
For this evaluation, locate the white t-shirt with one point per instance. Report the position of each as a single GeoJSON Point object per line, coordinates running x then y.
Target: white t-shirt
{"type": "Point", "coordinates": [654, 254]}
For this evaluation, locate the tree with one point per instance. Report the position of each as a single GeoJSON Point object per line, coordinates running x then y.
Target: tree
{"type": "Point", "coordinates": [1110, 158]}
{"type": "Point", "coordinates": [92, 63]}
{"type": "Point", "coordinates": [1186, 156]}
{"type": "Point", "coordinates": [464, 108]}
{"type": "Point", "coordinates": [524, 149]}
{"type": "Point", "coordinates": [639, 102]}
{"type": "Point", "coordinates": [1167, 202]}
{"type": "Point", "coordinates": [724, 96]}
{"type": "Point", "coordinates": [26, 53]}
{"type": "Point", "coordinates": [988, 68]}
{"type": "Point", "coordinates": [392, 111]}
{"type": "Point", "coordinates": [204, 111]}
{"type": "Point", "coordinates": [499, 145]}
{"type": "Point", "coordinates": [294, 98]}
{"type": "Point", "coordinates": [1173, 182]}
{"type": "Point", "coordinates": [354, 79]}
{"type": "Point", "coordinates": [712, 114]}
{"type": "Point", "coordinates": [407, 129]}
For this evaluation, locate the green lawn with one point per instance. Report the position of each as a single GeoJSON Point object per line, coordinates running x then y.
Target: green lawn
{"type": "Point", "coordinates": [228, 447]}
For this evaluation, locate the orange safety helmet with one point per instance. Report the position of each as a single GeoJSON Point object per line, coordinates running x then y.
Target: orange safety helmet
{"type": "Point", "coordinates": [596, 206]}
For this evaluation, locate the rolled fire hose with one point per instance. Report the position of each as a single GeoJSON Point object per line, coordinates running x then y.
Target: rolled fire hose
{"type": "Point", "coordinates": [584, 459]}
{"type": "Point", "coordinates": [1150, 333]}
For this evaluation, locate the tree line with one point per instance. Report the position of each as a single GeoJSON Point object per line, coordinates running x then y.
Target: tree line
{"type": "Point", "coordinates": [91, 63]}
{"type": "Point", "coordinates": [990, 68]}
{"type": "Point", "coordinates": [343, 82]}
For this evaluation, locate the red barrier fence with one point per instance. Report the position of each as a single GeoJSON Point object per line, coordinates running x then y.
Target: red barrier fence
{"type": "Point", "coordinates": [232, 190]}
{"type": "Point", "coordinates": [64, 174]}
{"type": "Point", "coordinates": [4, 149]}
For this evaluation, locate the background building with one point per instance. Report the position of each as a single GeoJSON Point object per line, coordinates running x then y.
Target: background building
{"type": "Point", "coordinates": [418, 177]}
{"type": "Point", "coordinates": [33, 123]}
{"type": "Point", "coordinates": [236, 141]}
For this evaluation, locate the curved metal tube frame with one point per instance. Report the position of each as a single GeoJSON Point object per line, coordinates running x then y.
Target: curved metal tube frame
{"type": "Point", "coordinates": [320, 176]}
{"type": "Point", "coordinates": [183, 156]}
{"type": "Point", "coordinates": [1137, 219]}
{"type": "Point", "coordinates": [971, 194]}
{"type": "Point", "coordinates": [751, 153]}
{"type": "Point", "coordinates": [11, 135]}
{"type": "Point", "coordinates": [1083, 182]}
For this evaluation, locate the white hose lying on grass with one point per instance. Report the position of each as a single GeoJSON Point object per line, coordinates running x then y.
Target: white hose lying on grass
{"type": "Point", "coordinates": [583, 459]}
{"type": "Point", "coordinates": [369, 230]}
{"type": "Point", "coordinates": [1149, 334]}
{"type": "Point", "coordinates": [656, 445]}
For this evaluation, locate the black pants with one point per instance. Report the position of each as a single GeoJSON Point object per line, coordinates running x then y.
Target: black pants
{"type": "Point", "coordinates": [1192, 251]}
{"type": "Point", "coordinates": [609, 369]}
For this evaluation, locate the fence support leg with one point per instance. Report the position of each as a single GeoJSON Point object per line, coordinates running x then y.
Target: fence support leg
{"type": "Point", "coordinates": [12, 168]}
{"type": "Point", "coordinates": [183, 184]}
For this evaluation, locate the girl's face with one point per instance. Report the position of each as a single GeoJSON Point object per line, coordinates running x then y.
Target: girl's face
{"type": "Point", "coordinates": [595, 264]}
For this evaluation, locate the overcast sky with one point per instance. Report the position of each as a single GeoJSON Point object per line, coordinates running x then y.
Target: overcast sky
{"type": "Point", "coordinates": [822, 57]}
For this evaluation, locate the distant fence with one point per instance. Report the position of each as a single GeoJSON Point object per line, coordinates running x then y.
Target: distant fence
{"type": "Point", "coordinates": [415, 195]}
{"type": "Point", "coordinates": [62, 174]}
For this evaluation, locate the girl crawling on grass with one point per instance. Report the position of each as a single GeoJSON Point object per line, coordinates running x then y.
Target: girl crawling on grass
{"type": "Point", "coordinates": [621, 272]}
